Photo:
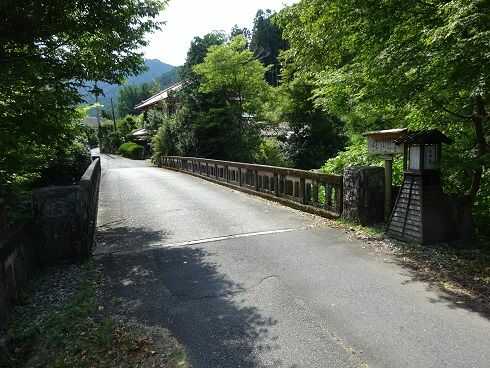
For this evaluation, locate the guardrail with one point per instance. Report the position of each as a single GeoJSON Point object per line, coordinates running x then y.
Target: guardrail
{"type": "Point", "coordinates": [306, 190]}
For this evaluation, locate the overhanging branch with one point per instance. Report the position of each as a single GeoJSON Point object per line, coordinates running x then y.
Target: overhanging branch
{"type": "Point", "coordinates": [445, 109]}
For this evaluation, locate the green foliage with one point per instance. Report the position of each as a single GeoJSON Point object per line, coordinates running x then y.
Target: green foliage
{"type": "Point", "coordinates": [132, 95]}
{"type": "Point", "coordinates": [223, 89]}
{"type": "Point", "coordinates": [389, 64]}
{"type": "Point", "coordinates": [245, 32]}
{"type": "Point", "coordinates": [356, 154]}
{"type": "Point", "coordinates": [169, 78]}
{"type": "Point", "coordinates": [232, 70]}
{"type": "Point", "coordinates": [198, 51]}
{"type": "Point", "coordinates": [271, 153]}
{"type": "Point", "coordinates": [154, 119]}
{"type": "Point", "coordinates": [131, 150]}
{"type": "Point", "coordinates": [315, 135]}
{"type": "Point", "coordinates": [127, 124]}
{"type": "Point", "coordinates": [266, 44]}
{"type": "Point", "coordinates": [68, 164]}
{"type": "Point", "coordinates": [164, 142]}
{"type": "Point", "coordinates": [112, 137]}
{"type": "Point", "coordinates": [47, 50]}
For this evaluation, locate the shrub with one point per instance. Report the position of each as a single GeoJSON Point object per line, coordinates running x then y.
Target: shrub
{"type": "Point", "coordinates": [356, 154]}
{"type": "Point", "coordinates": [271, 153]}
{"type": "Point", "coordinates": [164, 142]}
{"type": "Point", "coordinates": [131, 150]}
{"type": "Point", "coordinates": [68, 164]}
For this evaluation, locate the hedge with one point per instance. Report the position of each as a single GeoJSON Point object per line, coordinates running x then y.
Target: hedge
{"type": "Point", "coordinates": [131, 150]}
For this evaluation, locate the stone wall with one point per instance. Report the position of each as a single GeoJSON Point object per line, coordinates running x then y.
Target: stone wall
{"type": "Point", "coordinates": [63, 229]}
{"type": "Point", "coordinates": [364, 194]}
{"type": "Point", "coordinates": [18, 262]}
{"type": "Point", "coordinates": [65, 218]}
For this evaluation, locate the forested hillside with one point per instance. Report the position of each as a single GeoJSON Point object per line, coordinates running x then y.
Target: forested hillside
{"type": "Point", "coordinates": [157, 73]}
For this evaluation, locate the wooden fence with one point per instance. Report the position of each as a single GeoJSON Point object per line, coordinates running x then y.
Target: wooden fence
{"type": "Point", "coordinates": [306, 190]}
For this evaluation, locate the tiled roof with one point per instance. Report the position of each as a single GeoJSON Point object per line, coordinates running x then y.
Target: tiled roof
{"type": "Point", "coordinates": [160, 96]}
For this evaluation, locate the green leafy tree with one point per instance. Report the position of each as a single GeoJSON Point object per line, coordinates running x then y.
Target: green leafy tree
{"type": "Point", "coordinates": [315, 135]}
{"type": "Point", "coordinates": [198, 51]}
{"type": "Point", "coordinates": [231, 71]}
{"type": "Point", "coordinates": [47, 49]}
{"type": "Point", "coordinates": [391, 63]}
{"type": "Point", "coordinates": [267, 43]}
{"type": "Point", "coordinates": [130, 96]}
{"type": "Point", "coordinates": [245, 32]}
{"type": "Point", "coordinates": [271, 152]}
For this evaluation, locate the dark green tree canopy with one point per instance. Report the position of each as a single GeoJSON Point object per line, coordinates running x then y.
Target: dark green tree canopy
{"type": "Point", "coordinates": [47, 49]}
{"type": "Point", "coordinates": [416, 63]}
{"type": "Point", "coordinates": [130, 96]}
{"type": "Point", "coordinates": [267, 43]}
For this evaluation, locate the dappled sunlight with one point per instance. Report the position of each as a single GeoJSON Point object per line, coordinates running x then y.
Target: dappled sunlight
{"type": "Point", "coordinates": [180, 289]}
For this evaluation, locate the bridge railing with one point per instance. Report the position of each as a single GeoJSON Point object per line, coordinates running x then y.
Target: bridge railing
{"type": "Point", "coordinates": [307, 190]}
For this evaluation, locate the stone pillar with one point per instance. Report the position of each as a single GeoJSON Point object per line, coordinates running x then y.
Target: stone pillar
{"type": "Point", "coordinates": [364, 194]}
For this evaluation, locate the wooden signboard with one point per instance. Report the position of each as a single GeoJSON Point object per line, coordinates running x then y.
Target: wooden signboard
{"type": "Point", "coordinates": [382, 142]}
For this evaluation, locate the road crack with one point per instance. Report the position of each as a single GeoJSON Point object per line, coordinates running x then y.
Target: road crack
{"type": "Point", "coordinates": [240, 290]}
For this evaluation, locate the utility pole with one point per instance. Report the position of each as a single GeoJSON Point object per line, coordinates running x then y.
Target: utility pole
{"type": "Point", "coordinates": [113, 116]}
{"type": "Point", "coordinates": [97, 92]}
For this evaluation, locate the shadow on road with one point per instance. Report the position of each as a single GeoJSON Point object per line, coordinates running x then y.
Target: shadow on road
{"type": "Point", "coordinates": [180, 289]}
{"type": "Point", "coordinates": [442, 277]}
{"type": "Point", "coordinates": [114, 237]}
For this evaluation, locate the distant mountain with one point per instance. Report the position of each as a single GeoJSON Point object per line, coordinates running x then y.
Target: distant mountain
{"type": "Point", "coordinates": [156, 69]}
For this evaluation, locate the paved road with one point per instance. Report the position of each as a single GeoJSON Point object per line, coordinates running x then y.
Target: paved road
{"type": "Point", "coordinates": [246, 283]}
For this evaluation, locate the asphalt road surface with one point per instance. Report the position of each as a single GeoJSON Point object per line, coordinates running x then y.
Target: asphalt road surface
{"type": "Point", "coordinates": [243, 282]}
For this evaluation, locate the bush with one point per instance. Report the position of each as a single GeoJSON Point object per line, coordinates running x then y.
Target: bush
{"type": "Point", "coordinates": [164, 142]}
{"type": "Point", "coordinates": [271, 153]}
{"type": "Point", "coordinates": [131, 150]}
{"type": "Point", "coordinates": [68, 165]}
{"type": "Point", "coordinates": [356, 154]}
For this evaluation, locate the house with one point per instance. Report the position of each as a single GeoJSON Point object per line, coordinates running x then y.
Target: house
{"type": "Point", "coordinates": [164, 100]}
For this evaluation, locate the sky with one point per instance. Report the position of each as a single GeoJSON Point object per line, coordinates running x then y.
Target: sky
{"type": "Point", "coordinates": [189, 18]}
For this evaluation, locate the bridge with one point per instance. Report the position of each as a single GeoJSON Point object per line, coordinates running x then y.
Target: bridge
{"type": "Point", "coordinates": [243, 281]}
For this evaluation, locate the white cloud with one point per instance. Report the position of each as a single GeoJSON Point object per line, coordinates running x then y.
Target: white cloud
{"type": "Point", "coordinates": [189, 18]}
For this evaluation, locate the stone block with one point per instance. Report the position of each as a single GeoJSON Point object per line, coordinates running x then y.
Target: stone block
{"type": "Point", "coordinates": [364, 194]}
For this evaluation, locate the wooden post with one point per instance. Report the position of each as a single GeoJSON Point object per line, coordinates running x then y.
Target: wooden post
{"type": "Point", "coordinates": [388, 185]}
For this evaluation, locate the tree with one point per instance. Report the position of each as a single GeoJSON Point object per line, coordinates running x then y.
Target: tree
{"type": "Point", "coordinates": [193, 102]}
{"type": "Point", "coordinates": [129, 96]}
{"type": "Point", "coordinates": [267, 43]}
{"type": "Point", "coordinates": [237, 31]}
{"type": "Point", "coordinates": [315, 135]}
{"type": "Point", "coordinates": [198, 51]}
{"type": "Point", "coordinates": [47, 49]}
{"type": "Point", "coordinates": [233, 71]}
{"type": "Point", "coordinates": [416, 63]}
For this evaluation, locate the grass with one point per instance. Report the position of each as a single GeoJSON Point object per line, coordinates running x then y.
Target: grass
{"type": "Point", "coordinates": [79, 334]}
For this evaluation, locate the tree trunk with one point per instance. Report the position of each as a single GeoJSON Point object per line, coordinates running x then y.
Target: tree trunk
{"type": "Point", "coordinates": [478, 118]}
